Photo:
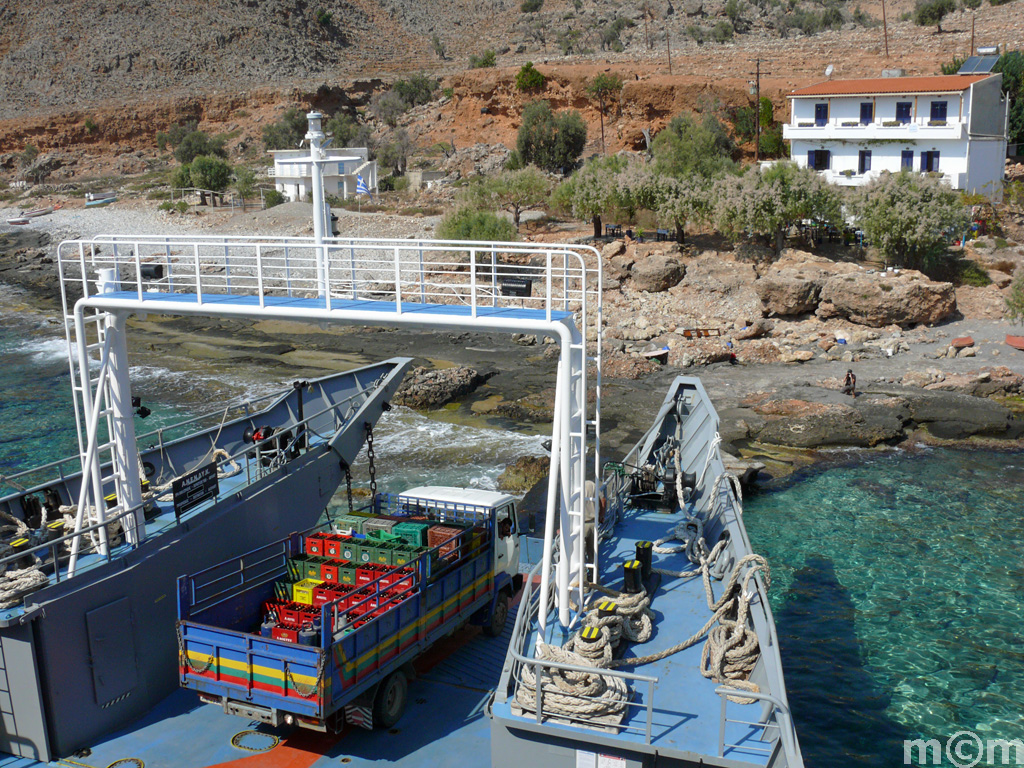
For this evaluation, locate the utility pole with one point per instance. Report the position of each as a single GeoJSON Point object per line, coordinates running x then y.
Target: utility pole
{"type": "Point", "coordinates": [971, 51]}
{"type": "Point", "coordinates": [668, 51]}
{"type": "Point", "coordinates": [885, 31]}
{"type": "Point", "coordinates": [756, 91]}
{"type": "Point", "coordinates": [647, 29]}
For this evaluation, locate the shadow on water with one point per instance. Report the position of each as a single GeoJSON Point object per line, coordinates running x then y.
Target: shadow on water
{"type": "Point", "coordinates": [838, 708]}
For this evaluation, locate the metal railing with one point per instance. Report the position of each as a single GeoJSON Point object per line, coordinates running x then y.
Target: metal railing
{"type": "Point", "coordinates": [258, 460]}
{"type": "Point", "coordinates": [473, 274]}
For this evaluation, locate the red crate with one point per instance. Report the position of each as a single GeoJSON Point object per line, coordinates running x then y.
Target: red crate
{"type": "Point", "coordinates": [332, 545]}
{"type": "Point", "coordinates": [287, 634]}
{"type": "Point", "coordinates": [329, 573]}
{"type": "Point", "coordinates": [315, 544]}
{"type": "Point", "coordinates": [398, 577]}
{"type": "Point", "coordinates": [368, 572]}
{"type": "Point", "coordinates": [272, 610]}
{"type": "Point", "coordinates": [438, 534]}
{"type": "Point", "coordinates": [328, 594]}
{"type": "Point", "coordinates": [296, 614]}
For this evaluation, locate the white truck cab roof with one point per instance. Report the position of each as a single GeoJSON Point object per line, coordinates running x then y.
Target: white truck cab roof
{"type": "Point", "coordinates": [446, 494]}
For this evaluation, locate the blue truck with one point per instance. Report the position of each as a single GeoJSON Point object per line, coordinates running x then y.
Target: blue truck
{"type": "Point", "coordinates": [342, 651]}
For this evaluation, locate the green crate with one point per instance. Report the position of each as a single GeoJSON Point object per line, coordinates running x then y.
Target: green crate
{"type": "Point", "coordinates": [283, 590]}
{"type": "Point", "coordinates": [379, 534]}
{"type": "Point", "coordinates": [414, 533]}
{"type": "Point", "coordinates": [367, 554]}
{"type": "Point", "coordinates": [312, 566]}
{"type": "Point", "coordinates": [347, 574]}
{"type": "Point", "coordinates": [350, 551]}
{"type": "Point", "coordinates": [405, 554]}
{"type": "Point", "coordinates": [353, 523]}
{"type": "Point", "coordinates": [384, 553]}
{"type": "Point", "coordinates": [296, 568]}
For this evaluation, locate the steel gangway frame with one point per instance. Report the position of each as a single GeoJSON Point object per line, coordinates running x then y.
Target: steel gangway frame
{"type": "Point", "coordinates": [431, 284]}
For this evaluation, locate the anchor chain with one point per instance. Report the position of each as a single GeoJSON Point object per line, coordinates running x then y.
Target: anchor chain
{"type": "Point", "coordinates": [348, 486]}
{"type": "Point", "coordinates": [187, 659]}
{"type": "Point", "coordinates": [370, 456]}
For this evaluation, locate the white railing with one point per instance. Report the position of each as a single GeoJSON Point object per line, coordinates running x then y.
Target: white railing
{"type": "Point", "coordinates": [556, 278]}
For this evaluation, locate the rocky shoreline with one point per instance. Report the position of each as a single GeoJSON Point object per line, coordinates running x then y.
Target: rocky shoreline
{"type": "Point", "coordinates": [774, 373]}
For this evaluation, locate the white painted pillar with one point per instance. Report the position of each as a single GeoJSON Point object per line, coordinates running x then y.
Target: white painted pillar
{"type": "Point", "coordinates": [316, 136]}
{"type": "Point", "coordinates": [126, 454]}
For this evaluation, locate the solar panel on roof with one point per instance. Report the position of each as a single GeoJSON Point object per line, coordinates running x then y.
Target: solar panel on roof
{"type": "Point", "coordinates": [978, 65]}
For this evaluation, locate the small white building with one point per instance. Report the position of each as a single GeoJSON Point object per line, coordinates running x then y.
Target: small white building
{"type": "Point", "coordinates": [950, 125]}
{"type": "Point", "coordinates": [295, 179]}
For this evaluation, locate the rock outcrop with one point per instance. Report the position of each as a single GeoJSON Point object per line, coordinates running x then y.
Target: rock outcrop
{"type": "Point", "coordinates": [424, 388]}
{"type": "Point", "coordinates": [881, 299]}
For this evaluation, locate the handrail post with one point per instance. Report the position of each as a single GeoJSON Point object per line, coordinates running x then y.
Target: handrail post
{"type": "Point", "coordinates": [287, 271]}
{"type": "Point", "coordinates": [398, 280]}
{"type": "Point", "coordinates": [259, 272]}
{"type": "Point", "coordinates": [494, 277]}
{"type": "Point", "coordinates": [472, 281]}
{"type": "Point", "coordinates": [199, 280]}
{"type": "Point", "coordinates": [138, 272]}
{"type": "Point", "coordinates": [423, 279]}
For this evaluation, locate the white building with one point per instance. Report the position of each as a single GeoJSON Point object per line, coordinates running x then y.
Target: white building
{"type": "Point", "coordinates": [951, 125]}
{"type": "Point", "coordinates": [295, 179]}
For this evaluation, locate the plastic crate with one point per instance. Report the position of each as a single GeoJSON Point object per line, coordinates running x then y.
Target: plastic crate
{"type": "Point", "coordinates": [332, 546]}
{"type": "Point", "coordinates": [369, 572]}
{"type": "Point", "coordinates": [378, 524]}
{"type": "Point", "coordinates": [439, 534]}
{"type": "Point", "coordinates": [367, 554]}
{"type": "Point", "coordinates": [352, 523]}
{"type": "Point", "coordinates": [401, 578]}
{"type": "Point", "coordinates": [288, 634]}
{"type": "Point", "coordinates": [379, 534]}
{"type": "Point", "coordinates": [329, 593]}
{"type": "Point", "coordinates": [302, 592]}
{"type": "Point", "coordinates": [383, 553]}
{"type": "Point", "coordinates": [314, 568]}
{"type": "Point", "coordinates": [315, 544]}
{"type": "Point", "coordinates": [403, 554]}
{"type": "Point", "coordinates": [413, 533]}
{"type": "Point", "coordinates": [283, 590]}
{"type": "Point", "coordinates": [350, 549]}
{"type": "Point", "coordinates": [292, 614]}
{"type": "Point", "coordinates": [329, 573]}
{"type": "Point", "coordinates": [296, 568]}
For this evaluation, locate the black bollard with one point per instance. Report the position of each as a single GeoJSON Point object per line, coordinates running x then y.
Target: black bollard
{"type": "Point", "coordinates": [644, 550]}
{"type": "Point", "coordinates": [633, 573]}
{"type": "Point", "coordinates": [590, 634]}
{"type": "Point", "coordinates": [606, 608]}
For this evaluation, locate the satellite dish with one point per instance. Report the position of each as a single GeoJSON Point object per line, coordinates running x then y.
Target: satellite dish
{"type": "Point", "coordinates": [829, 70]}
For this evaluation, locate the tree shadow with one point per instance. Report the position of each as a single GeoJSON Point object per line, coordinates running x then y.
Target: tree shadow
{"type": "Point", "coordinates": [838, 707]}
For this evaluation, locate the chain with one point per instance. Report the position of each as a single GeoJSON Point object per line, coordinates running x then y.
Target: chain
{"type": "Point", "coordinates": [348, 486]}
{"type": "Point", "coordinates": [297, 687]}
{"type": "Point", "coordinates": [369, 456]}
{"type": "Point", "coordinates": [187, 659]}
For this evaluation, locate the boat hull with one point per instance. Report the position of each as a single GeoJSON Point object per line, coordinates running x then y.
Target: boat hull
{"type": "Point", "coordinates": [1017, 342]}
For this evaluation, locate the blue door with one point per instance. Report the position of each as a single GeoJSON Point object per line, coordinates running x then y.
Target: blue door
{"type": "Point", "coordinates": [907, 160]}
{"type": "Point", "coordinates": [939, 111]}
{"type": "Point", "coordinates": [903, 111]}
{"type": "Point", "coordinates": [820, 114]}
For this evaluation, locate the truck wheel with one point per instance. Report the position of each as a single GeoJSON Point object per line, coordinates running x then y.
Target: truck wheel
{"type": "Point", "coordinates": [496, 624]}
{"type": "Point", "coordinates": [389, 703]}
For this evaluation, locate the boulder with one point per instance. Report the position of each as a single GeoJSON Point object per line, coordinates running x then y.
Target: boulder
{"type": "Point", "coordinates": [523, 473]}
{"type": "Point", "coordinates": [792, 286]}
{"type": "Point", "coordinates": [424, 388]}
{"type": "Point", "coordinates": [613, 249]}
{"type": "Point", "coordinates": [871, 299]}
{"type": "Point", "coordinates": [841, 420]}
{"type": "Point", "coordinates": [657, 273]}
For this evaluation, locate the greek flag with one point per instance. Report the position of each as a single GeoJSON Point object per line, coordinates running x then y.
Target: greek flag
{"type": "Point", "coordinates": [361, 188]}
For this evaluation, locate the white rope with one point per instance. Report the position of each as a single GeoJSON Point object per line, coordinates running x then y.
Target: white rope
{"type": "Point", "coordinates": [589, 695]}
{"type": "Point", "coordinates": [14, 585]}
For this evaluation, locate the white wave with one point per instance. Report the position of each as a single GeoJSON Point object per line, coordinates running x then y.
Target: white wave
{"type": "Point", "coordinates": [44, 350]}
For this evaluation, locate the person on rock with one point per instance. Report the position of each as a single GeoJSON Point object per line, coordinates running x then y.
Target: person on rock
{"type": "Point", "coordinates": [850, 384]}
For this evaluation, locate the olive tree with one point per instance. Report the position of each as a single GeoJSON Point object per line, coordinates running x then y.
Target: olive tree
{"type": "Point", "coordinates": [686, 147]}
{"type": "Point", "coordinates": [928, 12]}
{"type": "Point", "coordinates": [551, 141]}
{"type": "Point", "coordinates": [591, 190]}
{"type": "Point", "coordinates": [209, 174]}
{"type": "Point", "coordinates": [909, 218]}
{"type": "Point", "coordinates": [767, 202]}
{"type": "Point", "coordinates": [686, 200]}
{"type": "Point", "coordinates": [513, 191]}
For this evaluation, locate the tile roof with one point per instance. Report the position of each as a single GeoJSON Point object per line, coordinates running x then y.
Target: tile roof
{"type": "Point", "coordinates": [933, 84]}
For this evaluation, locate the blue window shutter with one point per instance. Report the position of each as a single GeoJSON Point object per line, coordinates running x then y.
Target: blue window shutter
{"type": "Point", "coordinates": [828, 159]}
{"type": "Point", "coordinates": [810, 158]}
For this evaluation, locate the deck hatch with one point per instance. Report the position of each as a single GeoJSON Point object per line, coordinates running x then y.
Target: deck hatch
{"type": "Point", "coordinates": [112, 649]}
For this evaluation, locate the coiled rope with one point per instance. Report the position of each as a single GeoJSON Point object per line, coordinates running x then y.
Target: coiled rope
{"type": "Point", "coordinates": [571, 694]}
{"type": "Point", "coordinates": [605, 625]}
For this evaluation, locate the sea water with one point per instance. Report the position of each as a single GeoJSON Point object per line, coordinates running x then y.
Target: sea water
{"type": "Point", "coordinates": [898, 581]}
{"type": "Point", "coordinates": [898, 592]}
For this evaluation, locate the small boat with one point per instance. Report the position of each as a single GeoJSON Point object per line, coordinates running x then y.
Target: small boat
{"type": "Point", "coordinates": [96, 202]}
{"type": "Point", "coordinates": [1017, 342]}
{"type": "Point", "coordinates": [962, 343]}
{"type": "Point", "coordinates": [98, 196]}
{"type": "Point", "coordinates": [19, 220]}
{"type": "Point", "coordinates": [36, 212]}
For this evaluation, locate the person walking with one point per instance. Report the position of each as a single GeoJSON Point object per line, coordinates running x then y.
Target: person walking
{"type": "Point", "coordinates": [850, 384]}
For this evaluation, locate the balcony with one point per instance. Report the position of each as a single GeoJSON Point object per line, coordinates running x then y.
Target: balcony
{"type": "Point", "coordinates": [955, 180]}
{"type": "Point", "coordinates": [853, 130]}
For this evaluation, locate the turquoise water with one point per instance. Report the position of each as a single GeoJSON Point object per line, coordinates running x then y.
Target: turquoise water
{"type": "Point", "coordinates": [898, 581]}
{"type": "Point", "coordinates": [898, 592]}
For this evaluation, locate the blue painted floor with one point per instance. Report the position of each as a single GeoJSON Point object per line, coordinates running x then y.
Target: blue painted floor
{"type": "Point", "coordinates": [444, 724]}
{"type": "Point", "coordinates": [687, 710]}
